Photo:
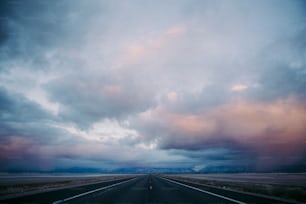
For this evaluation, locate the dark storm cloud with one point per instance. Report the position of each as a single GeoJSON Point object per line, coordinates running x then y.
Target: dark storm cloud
{"type": "Point", "coordinates": [4, 12]}
{"type": "Point", "coordinates": [22, 129]}
{"type": "Point", "coordinates": [214, 159]}
{"type": "Point", "coordinates": [23, 118]}
{"type": "Point", "coordinates": [36, 28]}
{"type": "Point", "coordinates": [15, 108]}
{"type": "Point", "coordinates": [24, 23]}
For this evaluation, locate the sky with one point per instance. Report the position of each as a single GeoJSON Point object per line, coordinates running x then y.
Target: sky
{"type": "Point", "coordinates": [204, 85]}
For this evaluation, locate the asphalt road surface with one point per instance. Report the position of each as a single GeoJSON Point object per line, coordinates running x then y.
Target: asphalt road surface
{"type": "Point", "coordinates": [142, 189]}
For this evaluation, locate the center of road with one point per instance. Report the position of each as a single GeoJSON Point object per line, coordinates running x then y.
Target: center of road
{"type": "Point", "coordinates": [150, 189]}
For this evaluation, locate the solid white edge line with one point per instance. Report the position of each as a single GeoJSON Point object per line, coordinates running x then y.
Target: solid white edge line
{"type": "Point", "coordinates": [89, 192]}
{"type": "Point", "coordinates": [207, 192]}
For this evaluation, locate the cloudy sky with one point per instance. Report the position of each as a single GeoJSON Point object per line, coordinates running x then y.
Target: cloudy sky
{"type": "Point", "coordinates": [195, 84]}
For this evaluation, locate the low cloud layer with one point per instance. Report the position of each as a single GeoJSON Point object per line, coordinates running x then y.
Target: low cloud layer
{"type": "Point", "coordinates": [202, 85]}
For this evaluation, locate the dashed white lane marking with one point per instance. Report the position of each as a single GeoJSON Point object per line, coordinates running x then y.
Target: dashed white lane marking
{"type": "Point", "coordinates": [92, 191]}
{"type": "Point", "coordinates": [207, 192]}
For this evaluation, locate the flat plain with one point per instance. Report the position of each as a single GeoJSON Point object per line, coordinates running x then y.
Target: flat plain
{"type": "Point", "coordinates": [285, 187]}
{"type": "Point", "coordinates": [16, 185]}
{"type": "Point", "coordinates": [288, 186]}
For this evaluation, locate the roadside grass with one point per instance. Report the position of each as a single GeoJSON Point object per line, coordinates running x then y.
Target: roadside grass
{"type": "Point", "coordinates": [21, 188]}
{"type": "Point", "coordinates": [40, 186]}
{"type": "Point", "coordinates": [296, 193]}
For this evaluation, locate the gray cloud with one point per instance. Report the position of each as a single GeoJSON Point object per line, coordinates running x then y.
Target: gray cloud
{"type": "Point", "coordinates": [174, 79]}
{"type": "Point", "coordinates": [16, 108]}
{"type": "Point", "coordinates": [89, 98]}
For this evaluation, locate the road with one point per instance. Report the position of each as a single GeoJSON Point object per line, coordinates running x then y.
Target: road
{"type": "Point", "coordinates": [142, 189]}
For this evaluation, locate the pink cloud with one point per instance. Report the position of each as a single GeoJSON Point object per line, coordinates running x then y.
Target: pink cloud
{"type": "Point", "coordinates": [274, 131]}
{"type": "Point", "coordinates": [15, 147]}
{"type": "Point", "coordinates": [136, 52]}
{"type": "Point", "coordinates": [23, 152]}
{"type": "Point", "coordinates": [239, 87]}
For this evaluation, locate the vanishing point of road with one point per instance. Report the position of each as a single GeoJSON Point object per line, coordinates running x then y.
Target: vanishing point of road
{"type": "Point", "coordinates": [146, 189]}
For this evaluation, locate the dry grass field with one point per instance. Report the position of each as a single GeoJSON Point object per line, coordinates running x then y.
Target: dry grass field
{"type": "Point", "coordinates": [283, 186]}
{"type": "Point", "coordinates": [18, 185]}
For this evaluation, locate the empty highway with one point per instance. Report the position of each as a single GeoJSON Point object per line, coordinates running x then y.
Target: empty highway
{"type": "Point", "coordinates": [142, 189]}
